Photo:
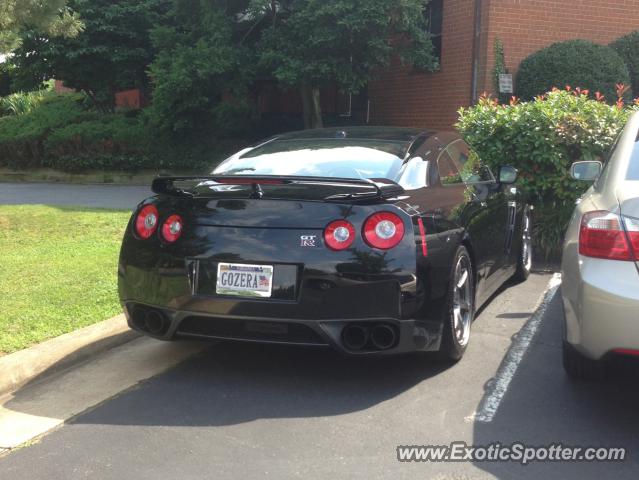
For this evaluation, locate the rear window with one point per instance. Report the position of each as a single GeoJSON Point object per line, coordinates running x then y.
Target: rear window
{"type": "Point", "coordinates": [345, 158]}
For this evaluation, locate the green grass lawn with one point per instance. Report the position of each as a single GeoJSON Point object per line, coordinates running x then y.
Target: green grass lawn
{"type": "Point", "coordinates": [58, 270]}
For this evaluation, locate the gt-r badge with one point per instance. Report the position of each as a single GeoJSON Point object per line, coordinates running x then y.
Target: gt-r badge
{"type": "Point", "coordinates": [308, 240]}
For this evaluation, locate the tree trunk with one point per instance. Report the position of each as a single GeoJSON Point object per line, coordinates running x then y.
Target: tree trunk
{"type": "Point", "coordinates": [312, 107]}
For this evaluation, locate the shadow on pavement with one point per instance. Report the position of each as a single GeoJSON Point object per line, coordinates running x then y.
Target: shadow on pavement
{"type": "Point", "coordinates": [233, 383]}
{"type": "Point", "coordinates": [543, 406]}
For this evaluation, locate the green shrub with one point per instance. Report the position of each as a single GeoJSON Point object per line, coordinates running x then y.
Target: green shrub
{"type": "Point", "coordinates": [123, 162]}
{"type": "Point", "coordinates": [541, 139]}
{"type": "Point", "coordinates": [576, 63]}
{"type": "Point", "coordinates": [22, 136]}
{"type": "Point", "coordinates": [628, 49]}
{"type": "Point", "coordinates": [61, 132]}
{"type": "Point", "coordinates": [112, 133]}
{"type": "Point", "coordinates": [21, 102]}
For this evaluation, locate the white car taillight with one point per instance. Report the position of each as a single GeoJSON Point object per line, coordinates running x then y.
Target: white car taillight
{"type": "Point", "coordinates": [603, 235]}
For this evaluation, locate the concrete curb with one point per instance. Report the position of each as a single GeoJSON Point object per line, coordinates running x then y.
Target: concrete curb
{"type": "Point", "coordinates": [52, 356]}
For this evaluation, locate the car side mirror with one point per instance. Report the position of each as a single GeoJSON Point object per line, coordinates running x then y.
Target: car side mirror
{"type": "Point", "coordinates": [586, 171]}
{"type": "Point", "coordinates": [508, 175]}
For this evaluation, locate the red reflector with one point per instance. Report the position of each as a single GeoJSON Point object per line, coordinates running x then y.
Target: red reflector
{"type": "Point", "coordinates": [602, 236]}
{"type": "Point", "coordinates": [147, 221]}
{"type": "Point", "coordinates": [422, 234]}
{"type": "Point", "coordinates": [383, 230]}
{"type": "Point", "coordinates": [626, 351]}
{"type": "Point", "coordinates": [172, 228]}
{"type": "Point", "coordinates": [339, 235]}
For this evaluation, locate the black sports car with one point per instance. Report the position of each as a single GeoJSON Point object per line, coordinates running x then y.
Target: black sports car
{"type": "Point", "coordinates": [370, 240]}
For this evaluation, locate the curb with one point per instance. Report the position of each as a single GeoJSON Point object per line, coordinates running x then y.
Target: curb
{"type": "Point", "coordinates": [53, 356]}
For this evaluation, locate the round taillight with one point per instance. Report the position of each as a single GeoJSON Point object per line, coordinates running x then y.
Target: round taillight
{"type": "Point", "coordinates": [383, 230]}
{"type": "Point", "coordinates": [172, 228]}
{"type": "Point", "coordinates": [339, 235]}
{"type": "Point", "coordinates": [146, 223]}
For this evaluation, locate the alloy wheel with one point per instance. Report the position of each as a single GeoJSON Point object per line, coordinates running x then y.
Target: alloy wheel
{"type": "Point", "coordinates": [462, 300]}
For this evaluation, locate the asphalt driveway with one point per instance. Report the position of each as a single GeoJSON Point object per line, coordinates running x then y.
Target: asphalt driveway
{"type": "Point", "coordinates": [100, 196]}
{"type": "Point", "coordinates": [242, 411]}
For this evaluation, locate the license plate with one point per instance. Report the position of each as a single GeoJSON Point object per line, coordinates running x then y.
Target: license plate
{"type": "Point", "coordinates": [244, 280]}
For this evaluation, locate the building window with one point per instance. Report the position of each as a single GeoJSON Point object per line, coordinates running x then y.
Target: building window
{"type": "Point", "coordinates": [434, 14]}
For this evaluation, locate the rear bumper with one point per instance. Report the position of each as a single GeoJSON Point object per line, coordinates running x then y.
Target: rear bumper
{"type": "Point", "coordinates": [412, 335]}
{"type": "Point", "coordinates": [316, 292]}
{"type": "Point", "coordinates": [601, 303]}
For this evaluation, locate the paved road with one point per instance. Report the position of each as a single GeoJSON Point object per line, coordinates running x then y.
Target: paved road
{"type": "Point", "coordinates": [242, 411]}
{"type": "Point", "coordinates": [101, 196]}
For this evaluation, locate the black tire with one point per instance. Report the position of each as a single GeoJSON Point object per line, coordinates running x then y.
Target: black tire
{"type": "Point", "coordinates": [458, 309]}
{"type": "Point", "coordinates": [524, 255]}
{"type": "Point", "coordinates": [580, 367]}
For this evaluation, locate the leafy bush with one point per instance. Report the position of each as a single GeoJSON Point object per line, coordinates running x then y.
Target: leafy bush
{"type": "Point", "coordinates": [628, 49]}
{"type": "Point", "coordinates": [575, 62]}
{"type": "Point", "coordinates": [60, 132]}
{"type": "Point", "coordinates": [22, 136]}
{"type": "Point", "coordinates": [542, 138]}
{"type": "Point", "coordinates": [21, 102]}
{"type": "Point", "coordinates": [106, 134]}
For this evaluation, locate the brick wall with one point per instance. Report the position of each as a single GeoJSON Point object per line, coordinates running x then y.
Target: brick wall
{"type": "Point", "coordinates": [58, 87]}
{"type": "Point", "coordinates": [403, 97]}
{"type": "Point", "coordinates": [525, 26]}
{"type": "Point", "coordinates": [430, 100]}
{"type": "Point", "coordinates": [131, 99]}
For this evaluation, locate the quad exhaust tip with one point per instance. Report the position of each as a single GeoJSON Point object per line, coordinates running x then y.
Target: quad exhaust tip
{"type": "Point", "coordinates": [383, 337]}
{"type": "Point", "coordinates": [357, 337]}
{"type": "Point", "coordinates": [149, 320]}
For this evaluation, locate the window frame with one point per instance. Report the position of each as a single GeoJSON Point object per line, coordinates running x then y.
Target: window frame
{"type": "Point", "coordinates": [444, 151]}
{"type": "Point", "coordinates": [482, 164]}
{"type": "Point", "coordinates": [437, 38]}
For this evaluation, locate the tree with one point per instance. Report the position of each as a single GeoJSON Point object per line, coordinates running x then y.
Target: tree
{"type": "Point", "coordinates": [201, 72]}
{"type": "Point", "coordinates": [628, 49]}
{"type": "Point", "coordinates": [113, 52]}
{"type": "Point", "coordinates": [313, 43]}
{"type": "Point", "coordinates": [50, 17]}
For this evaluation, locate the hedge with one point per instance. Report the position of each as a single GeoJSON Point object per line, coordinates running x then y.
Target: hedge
{"type": "Point", "coordinates": [541, 139]}
{"type": "Point", "coordinates": [628, 49]}
{"type": "Point", "coordinates": [575, 62]}
{"type": "Point", "coordinates": [59, 131]}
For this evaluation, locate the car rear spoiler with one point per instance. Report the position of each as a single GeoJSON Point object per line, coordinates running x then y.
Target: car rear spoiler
{"type": "Point", "coordinates": [379, 187]}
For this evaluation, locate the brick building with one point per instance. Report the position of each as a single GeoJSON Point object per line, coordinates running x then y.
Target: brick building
{"type": "Point", "coordinates": [402, 96]}
{"type": "Point", "coordinates": [464, 33]}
